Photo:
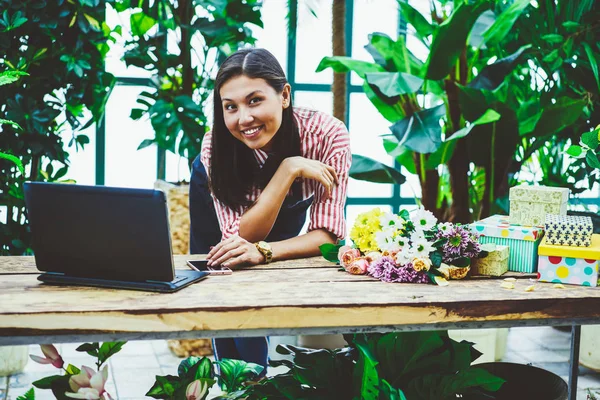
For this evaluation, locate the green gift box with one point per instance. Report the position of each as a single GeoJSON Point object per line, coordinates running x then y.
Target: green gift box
{"type": "Point", "coordinates": [530, 204]}
{"type": "Point", "coordinates": [523, 241]}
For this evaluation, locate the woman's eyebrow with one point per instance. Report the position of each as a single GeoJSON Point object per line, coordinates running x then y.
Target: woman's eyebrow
{"type": "Point", "coordinates": [247, 96]}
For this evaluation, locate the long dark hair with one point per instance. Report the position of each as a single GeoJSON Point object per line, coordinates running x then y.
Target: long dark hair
{"type": "Point", "coordinates": [234, 171]}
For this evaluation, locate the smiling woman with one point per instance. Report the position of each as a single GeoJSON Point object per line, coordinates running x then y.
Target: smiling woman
{"type": "Point", "coordinates": [262, 167]}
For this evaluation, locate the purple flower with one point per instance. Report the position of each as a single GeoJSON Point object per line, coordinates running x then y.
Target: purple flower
{"type": "Point", "coordinates": [460, 243]}
{"type": "Point", "coordinates": [378, 267]}
{"type": "Point", "coordinates": [404, 274]}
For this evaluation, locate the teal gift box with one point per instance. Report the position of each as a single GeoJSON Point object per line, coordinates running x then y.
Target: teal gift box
{"type": "Point", "coordinates": [523, 241]}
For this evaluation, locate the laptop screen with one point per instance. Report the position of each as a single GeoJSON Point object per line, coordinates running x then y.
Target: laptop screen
{"type": "Point", "coordinates": [100, 232]}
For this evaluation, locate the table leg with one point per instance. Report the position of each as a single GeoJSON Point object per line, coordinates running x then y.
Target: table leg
{"type": "Point", "coordinates": [574, 363]}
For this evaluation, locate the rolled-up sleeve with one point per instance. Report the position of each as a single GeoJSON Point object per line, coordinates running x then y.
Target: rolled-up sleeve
{"type": "Point", "coordinates": [229, 219]}
{"type": "Point", "coordinates": [328, 213]}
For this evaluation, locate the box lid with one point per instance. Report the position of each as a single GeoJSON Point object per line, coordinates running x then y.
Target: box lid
{"type": "Point", "coordinates": [539, 194]}
{"type": "Point", "coordinates": [499, 253]}
{"type": "Point", "coordinates": [590, 253]}
{"type": "Point", "coordinates": [569, 224]}
{"type": "Point", "coordinates": [499, 226]}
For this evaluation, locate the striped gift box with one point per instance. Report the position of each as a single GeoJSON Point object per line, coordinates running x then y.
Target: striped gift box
{"type": "Point", "coordinates": [523, 241]}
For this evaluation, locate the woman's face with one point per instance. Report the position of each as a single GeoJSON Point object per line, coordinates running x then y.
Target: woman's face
{"type": "Point", "coordinates": [252, 110]}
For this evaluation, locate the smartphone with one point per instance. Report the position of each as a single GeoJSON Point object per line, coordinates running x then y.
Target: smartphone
{"type": "Point", "coordinates": [202, 265]}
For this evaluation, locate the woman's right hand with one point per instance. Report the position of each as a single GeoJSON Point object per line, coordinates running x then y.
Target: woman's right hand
{"type": "Point", "coordinates": [301, 167]}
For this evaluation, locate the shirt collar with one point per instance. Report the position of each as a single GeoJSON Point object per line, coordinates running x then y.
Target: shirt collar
{"type": "Point", "coordinates": [260, 156]}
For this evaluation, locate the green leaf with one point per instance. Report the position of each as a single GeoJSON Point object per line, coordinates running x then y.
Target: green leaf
{"type": "Point", "coordinates": [109, 349]}
{"type": "Point", "coordinates": [145, 143]}
{"type": "Point", "coordinates": [141, 23]}
{"type": "Point", "coordinates": [402, 155]}
{"type": "Point", "coordinates": [461, 262]}
{"type": "Point", "coordinates": [329, 251]}
{"type": "Point", "coordinates": [387, 392]}
{"type": "Point", "coordinates": [559, 116]}
{"type": "Point", "coordinates": [29, 395]}
{"type": "Point", "coordinates": [90, 348]}
{"type": "Point", "coordinates": [571, 26]}
{"type": "Point", "coordinates": [46, 383]}
{"type": "Point", "coordinates": [389, 112]}
{"type": "Point", "coordinates": [413, 17]}
{"type": "Point", "coordinates": [504, 23]}
{"type": "Point", "coordinates": [366, 374]}
{"type": "Point", "coordinates": [165, 387]}
{"type": "Point", "coordinates": [593, 62]}
{"type": "Point", "coordinates": [7, 122]}
{"type": "Point", "coordinates": [591, 139]}
{"type": "Point", "coordinates": [234, 373]}
{"type": "Point", "coordinates": [575, 151]}
{"type": "Point", "coordinates": [366, 169]}
{"type": "Point", "coordinates": [15, 160]}
{"type": "Point", "coordinates": [392, 84]}
{"type": "Point", "coordinates": [592, 160]}
{"type": "Point", "coordinates": [393, 55]}
{"type": "Point", "coordinates": [7, 77]}
{"type": "Point", "coordinates": [450, 39]}
{"type": "Point", "coordinates": [492, 76]}
{"type": "Point", "coordinates": [72, 370]}
{"type": "Point", "coordinates": [553, 38]}
{"type": "Point", "coordinates": [488, 117]}
{"type": "Point", "coordinates": [421, 132]}
{"type": "Point", "coordinates": [528, 114]}
{"type": "Point", "coordinates": [345, 64]}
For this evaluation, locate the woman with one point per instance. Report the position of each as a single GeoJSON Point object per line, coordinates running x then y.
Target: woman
{"type": "Point", "coordinates": [263, 165]}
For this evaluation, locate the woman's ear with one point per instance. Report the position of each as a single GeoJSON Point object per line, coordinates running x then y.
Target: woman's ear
{"type": "Point", "coordinates": [286, 96]}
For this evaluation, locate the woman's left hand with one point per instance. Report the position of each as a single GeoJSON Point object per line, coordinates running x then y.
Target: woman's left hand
{"type": "Point", "coordinates": [235, 252]}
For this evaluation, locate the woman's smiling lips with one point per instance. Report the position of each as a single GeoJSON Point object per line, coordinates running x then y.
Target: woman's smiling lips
{"type": "Point", "coordinates": [251, 133]}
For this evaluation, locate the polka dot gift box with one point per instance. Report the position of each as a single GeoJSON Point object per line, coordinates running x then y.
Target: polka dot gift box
{"type": "Point", "coordinates": [523, 241]}
{"type": "Point", "coordinates": [568, 264]}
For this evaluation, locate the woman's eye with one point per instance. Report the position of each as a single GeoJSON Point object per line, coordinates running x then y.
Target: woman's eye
{"type": "Point", "coordinates": [229, 107]}
{"type": "Point", "coordinates": [255, 100]}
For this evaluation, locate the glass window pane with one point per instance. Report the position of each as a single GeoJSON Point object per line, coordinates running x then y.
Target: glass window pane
{"type": "Point", "coordinates": [313, 41]}
{"type": "Point", "coordinates": [322, 101]}
{"type": "Point", "coordinates": [82, 162]}
{"type": "Point", "coordinates": [125, 165]}
{"type": "Point", "coordinates": [366, 127]}
{"type": "Point", "coordinates": [274, 35]}
{"type": "Point", "coordinates": [412, 187]}
{"type": "Point", "coordinates": [114, 64]}
{"type": "Point", "coordinates": [369, 18]}
{"type": "Point", "coordinates": [177, 169]}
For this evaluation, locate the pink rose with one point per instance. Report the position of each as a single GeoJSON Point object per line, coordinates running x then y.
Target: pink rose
{"type": "Point", "coordinates": [358, 267]}
{"type": "Point", "coordinates": [341, 252]}
{"type": "Point", "coordinates": [348, 257]}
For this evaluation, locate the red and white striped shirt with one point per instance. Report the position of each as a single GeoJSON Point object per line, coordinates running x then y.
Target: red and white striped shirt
{"type": "Point", "coordinates": [323, 138]}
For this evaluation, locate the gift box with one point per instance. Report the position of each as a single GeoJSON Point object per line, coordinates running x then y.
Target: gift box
{"type": "Point", "coordinates": [530, 204]}
{"type": "Point", "coordinates": [523, 241]}
{"type": "Point", "coordinates": [494, 264]}
{"type": "Point", "coordinates": [569, 230]}
{"type": "Point", "coordinates": [569, 264]}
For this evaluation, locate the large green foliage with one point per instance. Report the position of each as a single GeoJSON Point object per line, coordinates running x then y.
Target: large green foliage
{"type": "Point", "coordinates": [61, 45]}
{"type": "Point", "coordinates": [183, 76]}
{"type": "Point", "coordinates": [507, 83]}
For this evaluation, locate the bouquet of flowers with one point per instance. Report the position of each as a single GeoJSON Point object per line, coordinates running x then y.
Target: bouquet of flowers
{"type": "Point", "coordinates": [407, 247]}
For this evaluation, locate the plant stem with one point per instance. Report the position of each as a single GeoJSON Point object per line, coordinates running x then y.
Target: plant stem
{"type": "Point", "coordinates": [422, 168]}
{"type": "Point", "coordinates": [492, 165]}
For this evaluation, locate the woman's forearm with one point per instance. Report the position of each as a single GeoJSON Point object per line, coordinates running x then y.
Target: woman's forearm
{"type": "Point", "coordinates": [257, 222]}
{"type": "Point", "coordinates": [306, 245]}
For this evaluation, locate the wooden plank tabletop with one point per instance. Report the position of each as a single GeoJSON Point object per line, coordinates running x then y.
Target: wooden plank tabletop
{"type": "Point", "coordinates": [309, 296]}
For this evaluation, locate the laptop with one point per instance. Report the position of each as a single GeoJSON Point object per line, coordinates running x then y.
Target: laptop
{"type": "Point", "coordinates": [103, 236]}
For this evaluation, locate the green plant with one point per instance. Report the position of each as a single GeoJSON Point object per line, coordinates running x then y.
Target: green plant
{"type": "Point", "coordinates": [61, 46]}
{"type": "Point", "coordinates": [407, 365]}
{"type": "Point", "coordinates": [195, 376]}
{"type": "Point", "coordinates": [588, 148]}
{"type": "Point", "coordinates": [205, 30]}
{"type": "Point", "coordinates": [485, 112]}
{"type": "Point", "coordinates": [7, 77]}
{"type": "Point", "coordinates": [84, 383]}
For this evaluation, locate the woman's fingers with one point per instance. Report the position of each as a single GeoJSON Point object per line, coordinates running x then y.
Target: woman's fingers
{"type": "Point", "coordinates": [234, 252]}
{"type": "Point", "coordinates": [222, 248]}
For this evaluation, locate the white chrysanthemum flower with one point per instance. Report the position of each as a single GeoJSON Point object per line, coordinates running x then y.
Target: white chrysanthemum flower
{"type": "Point", "coordinates": [391, 221]}
{"type": "Point", "coordinates": [401, 241]}
{"type": "Point", "coordinates": [421, 248]}
{"type": "Point", "coordinates": [446, 226]}
{"type": "Point", "coordinates": [423, 219]}
{"type": "Point", "coordinates": [385, 240]}
{"type": "Point", "coordinates": [405, 256]}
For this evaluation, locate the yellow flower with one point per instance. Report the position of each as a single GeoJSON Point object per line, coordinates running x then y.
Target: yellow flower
{"type": "Point", "coordinates": [363, 232]}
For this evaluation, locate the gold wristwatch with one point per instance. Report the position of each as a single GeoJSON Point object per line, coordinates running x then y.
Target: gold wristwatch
{"type": "Point", "coordinates": [265, 249]}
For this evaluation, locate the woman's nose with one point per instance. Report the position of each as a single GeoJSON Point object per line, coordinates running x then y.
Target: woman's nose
{"type": "Point", "coordinates": [246, 116]}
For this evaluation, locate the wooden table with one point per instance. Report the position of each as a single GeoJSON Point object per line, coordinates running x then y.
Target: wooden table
{"type": "Point", "coordinates": [308, 296]}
